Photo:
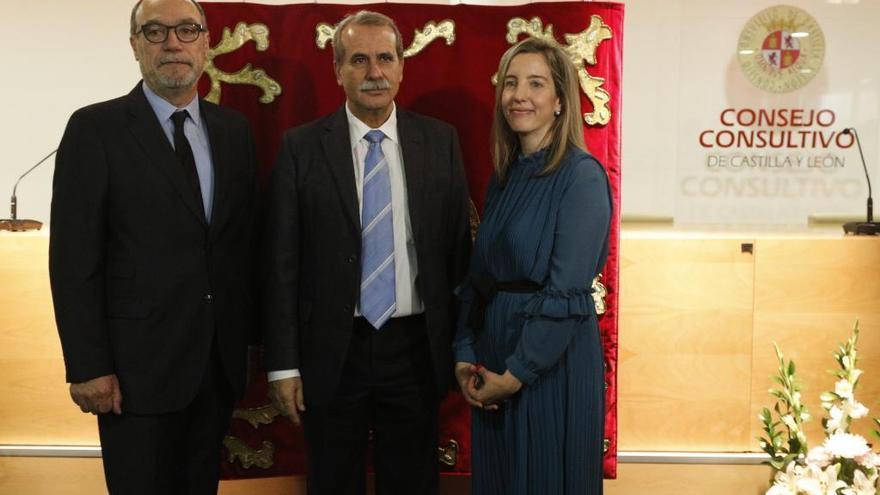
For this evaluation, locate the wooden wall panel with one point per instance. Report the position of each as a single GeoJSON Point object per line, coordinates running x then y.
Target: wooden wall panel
{"type": "Point", "coordinates": [685, 344]}
{"type": "Point", "coordinates": [683, 479]}
{"type": "Point", "coordinates": [35, 404]}
{"type": "Point", "coordinates": [808, 294]}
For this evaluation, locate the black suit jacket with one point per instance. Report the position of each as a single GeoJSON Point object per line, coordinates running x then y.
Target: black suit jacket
{"type": "Point", "coordinates": [141, 284]}
{"type": "Point", "coordinates": [313, 245]}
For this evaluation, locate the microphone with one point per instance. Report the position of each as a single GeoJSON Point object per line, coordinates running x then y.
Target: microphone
{"type": "Point", "coordinates": [862, 228]}
{"type": "Point", "coordinates": [14, 224]}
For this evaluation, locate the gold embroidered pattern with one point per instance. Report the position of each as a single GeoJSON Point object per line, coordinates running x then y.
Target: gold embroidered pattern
{"type": "Point", "coordinates": [257, 416]}
{"type": "Point", "coordinates": [449, 453]}
{"type": "Point", "coordinates": [444, 29]}
{"type": "Point", "coordinates": [473, 219]}
{"type": "Point", "coordinates": [581, 47]}
{"type": "Point", "coordinates": [231, 41]}
{"type": "Point", "coordinates": [262, 458]}
{"type": "Point", "coordinates": [599, 294]}
{"type": "Point", "coordinates": [431, 31]}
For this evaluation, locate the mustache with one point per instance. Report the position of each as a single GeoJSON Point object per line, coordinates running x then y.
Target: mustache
{"type": "Point", "coordinates": [174, 60]}
{"type": "Point", "coordinates": [375, 85]}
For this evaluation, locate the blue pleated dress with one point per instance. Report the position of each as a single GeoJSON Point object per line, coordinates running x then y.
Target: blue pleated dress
{"type": "Point", "coordinates": [553, 230]}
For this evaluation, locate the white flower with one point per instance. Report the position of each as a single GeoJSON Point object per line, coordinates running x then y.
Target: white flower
{"type": "Point", "coordinates": [819, 456]}
{"type": "Point", "coordinates": [789, 422]}
{"type": "Point", "coordinates": [846, 445]}
{"type": "Point", "coordinates": [835, 417]}
{"type": "Point", "coordinates": [810, 486]}
{"type": "Point", "coordinates": [855, 409]}
{"type": "Point", "coordinates": [869, 460]}
{"type": "Point", "coordinates": [844, 388]}
{"type": "Point", "coordinates": [862, 485]}
{"type": "Point", "coordinates": [815, 481]}
{"type": "Point", "coordinates": [781, 489]}
{"type": "Point", "coordinates": [786, 481]}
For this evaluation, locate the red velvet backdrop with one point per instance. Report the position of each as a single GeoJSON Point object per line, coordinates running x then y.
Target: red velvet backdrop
{"type": "Point", "coordinates": [452, 83]}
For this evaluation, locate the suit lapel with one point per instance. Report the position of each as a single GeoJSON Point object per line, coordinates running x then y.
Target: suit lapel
{"type": "Point", "coordinates": [220, 155]}
{"type": "Point", "coordinates": [337, 149]}
{"type": "Point", "coordinates": [147, 131]}
{"type": "Point", "coordinates": [414, 165]}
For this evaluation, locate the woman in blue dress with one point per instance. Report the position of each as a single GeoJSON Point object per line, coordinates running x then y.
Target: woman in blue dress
{"type": "Point", "coordinates": [528, 352]}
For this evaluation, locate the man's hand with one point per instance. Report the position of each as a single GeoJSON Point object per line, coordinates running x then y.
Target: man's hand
{"type": "Point", "coordinates": [287, 396]}
{"type": "Point", "coordinates": [98, 395]}
{"type": "Point", "coordinates": [495, 388]}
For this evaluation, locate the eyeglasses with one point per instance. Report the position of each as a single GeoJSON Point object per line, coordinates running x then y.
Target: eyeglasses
{"type": "Point", "coordinates": [158, 33]}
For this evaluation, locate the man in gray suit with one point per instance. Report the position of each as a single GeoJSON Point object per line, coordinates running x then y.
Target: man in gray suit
{"type": "Point", "coordinates": [367, 236]}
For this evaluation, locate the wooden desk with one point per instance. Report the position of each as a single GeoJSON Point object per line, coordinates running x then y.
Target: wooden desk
{"type": "Point", "coordinates": [698, 318]}
{"type": "Point", "coordinates": [697, 324]}
{"type": "Point", "coordinates": [35, 404]}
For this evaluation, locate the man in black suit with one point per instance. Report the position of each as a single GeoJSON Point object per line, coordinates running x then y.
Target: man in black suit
{"type": "Point", "coordinates": [150, 261]}
{"type": "Point", "coordinates": [367, 236]}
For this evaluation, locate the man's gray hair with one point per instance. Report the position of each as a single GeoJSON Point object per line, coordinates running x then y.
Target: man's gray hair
{"type": "Point", "coordinates": [364, 18]}
{"type": "Point", "coordinates": [137, 7]}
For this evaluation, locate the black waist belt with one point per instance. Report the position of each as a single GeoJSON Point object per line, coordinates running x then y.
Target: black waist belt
{"type": "Point", "coordinates": [485, 288]}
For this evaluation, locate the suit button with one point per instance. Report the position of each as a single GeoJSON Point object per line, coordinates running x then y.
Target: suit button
{"type": "Point", "coordinates": [346, 308]}
{"type": "Point", "coordinates": [352, 259]}
{"type": "Point", "coordinates": [209, 298]}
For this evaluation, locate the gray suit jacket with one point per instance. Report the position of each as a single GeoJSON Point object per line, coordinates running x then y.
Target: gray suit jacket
{"type": "Point", "coordinates": [313, 242]}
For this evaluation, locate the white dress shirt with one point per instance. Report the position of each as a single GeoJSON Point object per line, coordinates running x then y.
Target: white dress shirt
{"type": "Point", "coordinates": [196, 132]}
{"type": "Point", "coordinates": [409, 301]}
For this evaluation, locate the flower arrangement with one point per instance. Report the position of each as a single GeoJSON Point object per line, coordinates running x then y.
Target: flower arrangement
{"type": "Point", "coordinates": [844, 464]}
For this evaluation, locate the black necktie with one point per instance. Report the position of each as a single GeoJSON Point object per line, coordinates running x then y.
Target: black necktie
{"type": "Point", "coordinates": [185, 154]}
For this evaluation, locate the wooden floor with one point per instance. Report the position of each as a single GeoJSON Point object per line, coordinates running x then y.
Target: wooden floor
{"type": "Point", "coordinates": [55, 476]}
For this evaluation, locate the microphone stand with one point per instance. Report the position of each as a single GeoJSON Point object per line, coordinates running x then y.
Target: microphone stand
{"type": "Point", "coordinates": [862, 228]}
{"type": "Point", "coordinates": [14, 224]}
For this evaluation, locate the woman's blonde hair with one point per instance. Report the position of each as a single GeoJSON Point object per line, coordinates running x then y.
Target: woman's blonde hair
{"type": "Point", "coordinates": [567, 129]}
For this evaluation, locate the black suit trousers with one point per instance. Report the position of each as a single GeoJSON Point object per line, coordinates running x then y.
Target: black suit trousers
{"type": "Point", "coordinates": [386, 400]}
{"type": "Point", "coordinates": [171, 453]}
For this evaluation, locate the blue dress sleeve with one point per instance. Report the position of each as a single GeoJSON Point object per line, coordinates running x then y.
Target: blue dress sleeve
{"type": "Point", "coordinates": [463, 343]}
{"type": "Point", "coordinates": [554, 314]}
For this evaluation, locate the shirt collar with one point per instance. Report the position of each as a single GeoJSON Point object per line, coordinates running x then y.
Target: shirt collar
{"type": "Point", "coordinates": [163, 109]}
{"type": "Point", "coordinates": [358, 129]}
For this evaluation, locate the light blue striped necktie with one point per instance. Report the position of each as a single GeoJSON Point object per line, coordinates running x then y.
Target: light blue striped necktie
{"type": "Point", "coordinates": [378, 301]}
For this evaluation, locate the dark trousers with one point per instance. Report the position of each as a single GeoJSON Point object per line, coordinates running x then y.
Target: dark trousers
{"type": "Point", "coordinates": [170, 453]}
{"type": "Point", "coordinates": [387, 395]}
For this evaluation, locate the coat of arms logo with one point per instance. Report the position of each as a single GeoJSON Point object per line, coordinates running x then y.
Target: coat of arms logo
{"type": "Point", "coordinates": [781, 49]}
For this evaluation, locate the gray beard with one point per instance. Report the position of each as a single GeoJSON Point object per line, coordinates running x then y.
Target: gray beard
{"type": "Point", "coordinates": [176, 83]}
{"type": "Point", "coordinates": [158, 81]}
